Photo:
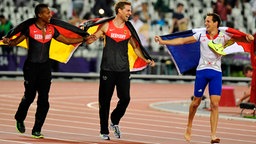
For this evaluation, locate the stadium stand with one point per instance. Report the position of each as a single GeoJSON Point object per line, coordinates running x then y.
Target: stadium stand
{"type": "Point", "coordinates": [241, 17]}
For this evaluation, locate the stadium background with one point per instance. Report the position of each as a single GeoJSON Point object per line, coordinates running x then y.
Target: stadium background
{"type": "Point", "coordinates": [73, 116]}
{"type": "Point", "coordinates": [86, 59]}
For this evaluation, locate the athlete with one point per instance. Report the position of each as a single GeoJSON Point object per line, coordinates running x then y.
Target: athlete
{"type": "Point", "coordinates": [208, 70]}
{"type": "Point", "coordinates": [115, 67]}
{"type": "Point", "coordinates": [37, 67]}
{"type": "Point", "coordinates": [248, 72]}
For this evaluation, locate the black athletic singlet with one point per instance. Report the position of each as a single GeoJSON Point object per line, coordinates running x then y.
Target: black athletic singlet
{"type": "Point", "coordinates": [115, 52]}
{"type": "Point", "coordinates": [38, 51]}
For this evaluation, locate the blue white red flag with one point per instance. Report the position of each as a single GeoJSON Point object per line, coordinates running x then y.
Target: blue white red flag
{"type": "Point", "coordinates": [186, 57]}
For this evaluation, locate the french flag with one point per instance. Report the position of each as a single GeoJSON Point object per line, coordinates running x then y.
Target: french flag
{"type": "Point", "coordinates": [186, 57]}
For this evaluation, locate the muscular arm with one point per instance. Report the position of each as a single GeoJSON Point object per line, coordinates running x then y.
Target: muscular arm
{"type": "Point", "coordinates": [139, 53]}
{"type": "Point", "coordinates": [100, 32]}
{"type": "Point", "coordinates": [137, 49]}
{"type": "Point", "coordinates": [246, 96]}
{"type": "Point", "coordinates": [15, 41]}
{"type": "Point", "coordinates": [247, 38]}
{"type": "Point", "coordinates": [66, 40]}
{"type": "Point", "coordinates": [176, 41]}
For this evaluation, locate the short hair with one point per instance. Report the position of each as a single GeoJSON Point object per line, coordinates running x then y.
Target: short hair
{"type": "Point", "coordinates": [215, 18]}
{"type": "Point", "coordinates": [180, 4]}
{"type": "Point", "coordinates": [39, 8]}
{"type": "Point", "coordinates": [120, 5]}
{"type": "Point", "coordinates": [246, 69]}
{"type": "Point", "coordinates": [2, 16]}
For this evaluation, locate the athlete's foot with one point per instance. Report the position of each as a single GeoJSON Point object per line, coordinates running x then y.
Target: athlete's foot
{"type": "Point", "coordinates": [187, 134]}
{"type": "Point", "coordinates": [215, 139]}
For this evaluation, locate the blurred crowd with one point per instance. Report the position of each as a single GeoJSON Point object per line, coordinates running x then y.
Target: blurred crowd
{"type": "Point", "coordinates": [150, 17]}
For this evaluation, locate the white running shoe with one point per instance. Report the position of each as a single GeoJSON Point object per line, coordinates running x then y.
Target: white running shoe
{"type": "Point", "coordinates": [104, 136]}
{"type": "Point", "coordinates": [116, 130]}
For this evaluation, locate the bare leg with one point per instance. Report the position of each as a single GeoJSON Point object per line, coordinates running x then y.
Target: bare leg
{"type": "Point", "coordinates": [214, 115]}
{"type": "Point", "coordinates": [192, 111]}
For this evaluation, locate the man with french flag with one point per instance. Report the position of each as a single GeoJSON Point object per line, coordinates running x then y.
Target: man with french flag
{"type": "Point", "coordinates": [203, 48]}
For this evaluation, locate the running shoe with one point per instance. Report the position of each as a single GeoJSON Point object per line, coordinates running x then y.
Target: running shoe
{"type": "Point", "coordinates": [218, 48]}
{"type": "Point", "coordinates": [37, 135]}
{"type": "Point", "coordinates": [20, 127]}
{"type": "Point", "coordinates": [104, 136]}
{"type": "Point", "coordinates": [116, 130]}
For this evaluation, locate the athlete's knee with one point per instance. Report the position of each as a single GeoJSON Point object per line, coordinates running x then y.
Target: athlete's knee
{"type": "Point", "coordinates": [125, 100]}
{"type": "Point", "coordinates": [195, 105]}
{"type": "Point", "coordinates": [44, 88]}
{"type": "Point", "coordinates": [214, 100]}
{"type": "Point", "coordinates": [196, 102]}
{"type": "Point", "coordinates": [43, 106]}
{"type": "Point", "coordinates": [43, 102]}
{"type": "Point", "coordinates": [214, 105]}
{"type": "Point", "coordinates": [28, 98]}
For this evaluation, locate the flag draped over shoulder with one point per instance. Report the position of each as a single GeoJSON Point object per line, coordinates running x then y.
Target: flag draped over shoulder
{"type": "Point", "coordinates": [135, 62]}
{"type": "Point", "coordinates": [237, 43]}
{"type": "Point", "coordinates": [253, 63]}
{"type": "Point", "coordinates": [186, 57]}
{"type": "Point", "coordinates": [58, 51]}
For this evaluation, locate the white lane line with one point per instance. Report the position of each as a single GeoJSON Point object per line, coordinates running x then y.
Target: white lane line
{"type": "Point", "coordinates": [149, 125]}
{"type": "Point", "coordinates": [128, 113]}
{"type": "Point", "coordinates": [86, 135]}
{"type": "Point", "coordinates": [156, 106]}
{"type": "Point", "coordinates": [12, 141]}
{"type": "Point", "coordinates": [94, 103]}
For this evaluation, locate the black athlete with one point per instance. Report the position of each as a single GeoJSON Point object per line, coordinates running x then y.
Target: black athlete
{"type": "Point", "coordinates": [37, 67]}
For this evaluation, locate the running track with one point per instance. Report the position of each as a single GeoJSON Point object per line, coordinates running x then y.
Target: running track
{"type": "Point", "coordinates": [73, 116]}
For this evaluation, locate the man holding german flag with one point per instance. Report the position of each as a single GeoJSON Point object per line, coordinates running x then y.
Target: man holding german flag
{"type": "Point", "coordinates": [115, 66]}
{"type": "Point", "coordinates": [37, 34]}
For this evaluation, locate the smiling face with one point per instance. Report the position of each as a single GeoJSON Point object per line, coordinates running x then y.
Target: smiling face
{"type": "Point", "coordinates": [210, 25]}
{"type": "Point", "coordinates": [45, 15]}
{"type": "Point", "coordinates": [123, 9]}
{"type": "Point", "coordinates": [125, 13]}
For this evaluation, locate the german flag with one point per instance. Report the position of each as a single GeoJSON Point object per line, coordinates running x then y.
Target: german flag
{"type": "Point", "coordinates": [135, 62]}
{"type": "Point", "coordinates": [62, 52]}
{"type": "Point", "coordinates": [58, 51]}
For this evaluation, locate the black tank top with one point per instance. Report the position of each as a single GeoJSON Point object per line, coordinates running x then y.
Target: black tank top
{"type": "Point", "coordinates": [38, 47]}
{"type": "Point", "coordinates": [115, 52]}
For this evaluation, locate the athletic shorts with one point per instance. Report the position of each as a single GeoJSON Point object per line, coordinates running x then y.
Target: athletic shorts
{"type": "Point", "coordinates": [212, 78]}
